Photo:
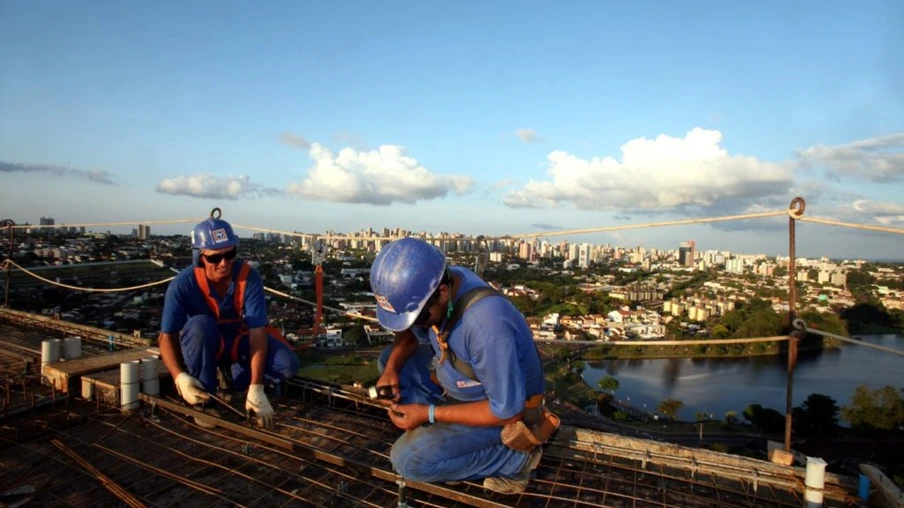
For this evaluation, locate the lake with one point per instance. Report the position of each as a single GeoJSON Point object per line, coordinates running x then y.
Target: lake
{"type": "Point", "coordinates": [718, 385]}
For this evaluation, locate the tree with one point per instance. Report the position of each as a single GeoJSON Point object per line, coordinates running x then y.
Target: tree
{"type": "Point", "coordinates": [730, 418]}
{"type": "Point", "coordinates": [767, 420]}
{"type": "Point", "coordinates": [817, 416]}
{"type": "Point", "coordinates": [882, 409]}
{"type": "Point", "coordinates": [609, 383]}
{"type": "Point", "coordinates": [720, 332]}
{"type": "Point", "coordinates": [670, 407]}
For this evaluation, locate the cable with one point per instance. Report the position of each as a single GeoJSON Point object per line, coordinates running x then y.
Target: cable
{"type": "Point", "coordinates": [78, 288]}
{"type": "Point", "coordinates": [313, 304]}
{"type": "Point", "coordinates": [96, 224]}
{"type": "Point", "coordinates": [653, 224]}
{"type": "Point", "coordinates": [800, 325]}
{"type": "Point", "coordinates": [866, 227]}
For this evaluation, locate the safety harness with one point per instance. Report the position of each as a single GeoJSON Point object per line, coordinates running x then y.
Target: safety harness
{"type": "Point", "coordinates": [537, 424]}
{"type": "Point", "coordinates": [238, 301]}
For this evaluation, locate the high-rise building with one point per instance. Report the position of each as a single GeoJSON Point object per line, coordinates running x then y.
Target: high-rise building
{"type": "Point", "coordinates": [687, 252]}
{"type": "Point", "coordinates": [144, 232]}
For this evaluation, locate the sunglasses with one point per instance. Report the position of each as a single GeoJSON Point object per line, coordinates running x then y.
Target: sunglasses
{"type": "Point", "coordinates": [215, 259]}
{"type": "Point", "coordinates": [424, 316]}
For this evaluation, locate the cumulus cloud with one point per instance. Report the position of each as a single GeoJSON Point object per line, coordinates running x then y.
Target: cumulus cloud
{"type": "Point", "coordinates": [208, 185]}
{"type": "Point", "coordinates": [528, 135]}
{"type": "Point", "coordinates": [294, 140]}
{"type": "Point", "coordinates": [95, 175]}
{"type": "Point", "coordinates": [377, 177]}
{"type": "Point", "coordinates": [879, 159]}
{"type": "Point", "coordinates": [661, 174]}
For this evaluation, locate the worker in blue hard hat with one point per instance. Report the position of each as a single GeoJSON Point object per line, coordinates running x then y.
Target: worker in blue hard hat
{"type": "Point", "coordinates": [215, 320]}
{"type": "Point", "coordinates": [470, 401]}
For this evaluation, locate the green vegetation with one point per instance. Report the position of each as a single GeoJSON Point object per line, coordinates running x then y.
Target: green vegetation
{"type": "Point", "coordinates": [816, 417]}
{"type": "Point", "coordinates": [609, 383]}
{"type": "Point", "coordinates": [670, 407]}
{"type": "Point", "coordinates": [881, 409]}
{"type": "Point", "coordinates": [343, 369]}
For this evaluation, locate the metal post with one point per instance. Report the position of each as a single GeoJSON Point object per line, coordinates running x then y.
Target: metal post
{"type": "Point", "coordinates": [795, 211]}
{"type": "Point", "coordinates": [9, 223]}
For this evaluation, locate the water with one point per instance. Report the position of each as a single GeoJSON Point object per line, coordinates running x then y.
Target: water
{"type": "Point", "coordinates": [718, 385]}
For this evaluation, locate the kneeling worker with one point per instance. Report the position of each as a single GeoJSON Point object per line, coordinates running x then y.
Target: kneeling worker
{"type": "Point", "coordinates": [215, 316]}
{"type": "Point", "coordinates": [470, 401]}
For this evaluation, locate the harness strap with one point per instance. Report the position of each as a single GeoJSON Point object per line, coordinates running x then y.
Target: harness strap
{"type": "Point", "coordinates": [464, 302]}
{"type": "Point", "coordinates": [238, 300]}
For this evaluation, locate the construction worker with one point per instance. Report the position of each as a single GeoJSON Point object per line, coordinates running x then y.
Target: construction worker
{"type": "Point", "coordinates": [457, 395]}
{"type": "Point", "coordinates": [215, 316]}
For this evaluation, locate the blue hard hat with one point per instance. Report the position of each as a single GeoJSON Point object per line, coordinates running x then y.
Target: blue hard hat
{"type": "Point", "coordinates": [212, 234]}
{"type": "Point", "coordinates": [404, 275]}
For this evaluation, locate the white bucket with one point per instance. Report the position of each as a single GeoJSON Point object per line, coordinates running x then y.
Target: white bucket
{"type": "Point", "coordinates": [150, 381]}
{"type": "Point", "coordinates": [72, 348]}
{"type": "Point", "coordinates": [129, 383]}
{"type": "Point", "coordinates": [50, 352]}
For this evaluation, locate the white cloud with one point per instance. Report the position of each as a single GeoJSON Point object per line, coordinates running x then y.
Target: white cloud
{"type": "Point", "coordinates": [208, 185]}
{"type": "Point", "coordinates": [378, 177]}
{"type": "Point", "coordinates": [95, 175]}
{"type": "Point", "coordinates": [528, 135]}
{"type": "Point", "coordinates": [879, 159]}
{"type": "Point", "coordinates": [665, 173]}
{"type": "Point", "coordinates": [294, 140]}
{"type": "Point", "coordinates": [883, 212]}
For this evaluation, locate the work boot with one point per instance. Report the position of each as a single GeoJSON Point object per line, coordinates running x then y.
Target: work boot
{"type": "Point", "coordinates": [207, 422]}
{"type": "Point", "coordinates": [515, 484]}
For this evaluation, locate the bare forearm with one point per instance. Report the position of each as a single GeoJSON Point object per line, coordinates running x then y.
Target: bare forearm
{"type": "Point", "coordinates": [258, 346]}
{"type": "Point", "coordinates": [475, 414]}
{"type": "Point", "coordinates": [404, 345]}
{"type": "Point", "coordinates": [171, 354]}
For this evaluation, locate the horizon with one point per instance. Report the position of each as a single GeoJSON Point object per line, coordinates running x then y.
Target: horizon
{"type": "Point", "coordinates": [496, 119]}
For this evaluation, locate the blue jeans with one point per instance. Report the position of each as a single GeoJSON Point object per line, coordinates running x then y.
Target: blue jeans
{"type": "Point", "coordinates": [200, 343]}
{"type": "Point", "coordinates": [445, 451]}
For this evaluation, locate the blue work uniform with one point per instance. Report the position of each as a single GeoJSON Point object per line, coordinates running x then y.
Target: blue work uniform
{"type": "Point", "coordinates": [214, 328]}
{"type": "Point", "coordinates": [494, 339]}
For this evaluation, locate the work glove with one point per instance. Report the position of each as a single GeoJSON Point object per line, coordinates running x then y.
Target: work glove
{"type": "Point", "coordinates": [257, 402]}
{"type": "Point", "coordinates": [191, 389]}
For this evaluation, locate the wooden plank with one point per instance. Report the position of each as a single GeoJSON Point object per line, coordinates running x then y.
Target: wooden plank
{"type": "Point", "coordinates": [62, 375]}
{"type": "Point", "coordinates": [890, 492]}
{"type": "Point", "coordinates": [105, 384]}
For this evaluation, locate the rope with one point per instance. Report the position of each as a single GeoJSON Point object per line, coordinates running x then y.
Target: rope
{"type": "Point", "coordinates": [9, 262]}
{"type": "Point", "coordinates": [799, 324]}
{"type": "Point", "coordinates": [96, 224]}
{"type": "Point", "coordinates": [830, 222]}
{"type": "Point", "coordinates": [347, 313]}
{"type": "Point", "coordinates": [655, 224]}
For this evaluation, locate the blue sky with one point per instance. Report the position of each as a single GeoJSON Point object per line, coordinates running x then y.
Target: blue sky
{"type": "Point", "coordinates": [506, 118]}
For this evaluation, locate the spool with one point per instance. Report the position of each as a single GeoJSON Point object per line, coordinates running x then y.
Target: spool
{"type": "Point", "coordinates": [150, 380]}
{"type": "Point", "coordinates": [50, 352]}
{"type": "Point", "coordinates": [129, 384]}
{"type": "Point", "coordinates": [72, 347]}
{"type": "Point", "coordinates": [815, 480]}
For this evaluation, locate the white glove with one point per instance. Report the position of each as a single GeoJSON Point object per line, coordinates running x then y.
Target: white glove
{"type": "Point", "coordinates": [191, 389]}
{"type": "Point", "coordinates": [257, 402]}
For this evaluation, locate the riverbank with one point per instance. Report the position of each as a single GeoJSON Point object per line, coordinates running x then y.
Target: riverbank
{"type": "Point", "coordinates": [604, 352]}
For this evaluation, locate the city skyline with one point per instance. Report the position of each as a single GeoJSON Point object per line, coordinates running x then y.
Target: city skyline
{"type": "Point", "coordinates": [486, 119]}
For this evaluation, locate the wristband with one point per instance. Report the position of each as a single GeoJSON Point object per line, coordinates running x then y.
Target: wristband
{"type": "Point", "coordinates": [431, 414]}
